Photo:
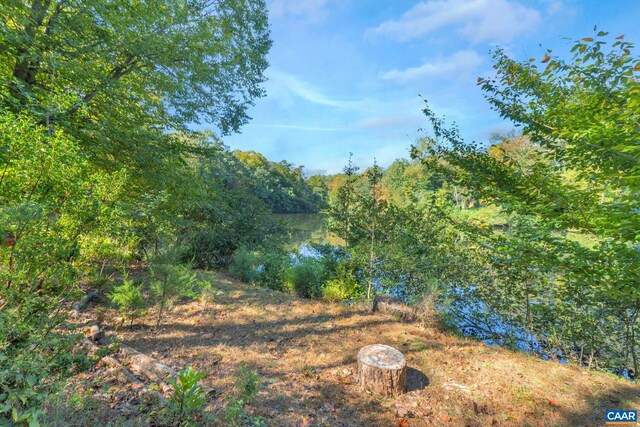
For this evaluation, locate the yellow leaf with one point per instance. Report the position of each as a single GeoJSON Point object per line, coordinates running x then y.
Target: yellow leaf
{"type": "Point", "coordinates": [588, 39]}
{"type": "Point", "coordinates": [545, 59]}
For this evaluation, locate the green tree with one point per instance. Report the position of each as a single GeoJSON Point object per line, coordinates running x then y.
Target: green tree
{"type": "Point", "coordinates": [170, 280]}
{"type": "Point", "coordinates": [580, 296]}
{"type": "Point", "coordinates": [96, 67]}
{"type": "Point", "coordinates": [342, 205]}
{"type": "Point", "coordinates": [128, 298]}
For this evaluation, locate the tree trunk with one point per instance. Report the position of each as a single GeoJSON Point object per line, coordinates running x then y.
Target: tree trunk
{"type": "Point", "coordinates": [382, 370]}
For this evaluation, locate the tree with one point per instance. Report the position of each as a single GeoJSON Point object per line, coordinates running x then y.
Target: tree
{"type": "Point", "coordinates": [91, 94]}
{"type": "Point", "coordinates": [128, 298]}
{"type": "Point", "coordinates": [97, 67]}
{"type": "Point", "coordinates": [170, 280]}
{"type": "Point", "coordinates": [577, 295]}
{"type": "Point", "coordinates": [373, 206]}
{"type": "Point", "coordinates": [340, 209]}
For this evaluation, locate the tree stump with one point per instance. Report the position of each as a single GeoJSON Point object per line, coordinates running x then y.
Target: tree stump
{"type": "Point", "coordinates": [392, 305]}
{"type": "Point", "coordinates": [382, 370]}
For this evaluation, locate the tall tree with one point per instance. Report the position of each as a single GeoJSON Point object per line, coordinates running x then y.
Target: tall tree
{"type": "Point", "coordinates": [98, 67]}
{"type": "Point", "coordinates": [583, 176]}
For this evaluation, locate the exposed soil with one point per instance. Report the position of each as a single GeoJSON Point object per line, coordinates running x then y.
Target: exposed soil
{"type": "Point", "coordinates": [306, 351]}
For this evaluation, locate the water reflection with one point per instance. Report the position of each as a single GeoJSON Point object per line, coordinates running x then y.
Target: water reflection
{"type": "Point", "coordinates": [307, 229]}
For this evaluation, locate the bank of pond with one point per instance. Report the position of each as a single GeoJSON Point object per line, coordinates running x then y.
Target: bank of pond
{"type": "Point", "coordinates": [317, 264]}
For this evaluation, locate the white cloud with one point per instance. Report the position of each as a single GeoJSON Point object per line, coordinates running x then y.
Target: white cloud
{"type": "Point", "coordinates": [462, 62]}
{"type": "Point", "coordinates": [476, 20]}
{"type": "Point", "coordinates": [286, 83]}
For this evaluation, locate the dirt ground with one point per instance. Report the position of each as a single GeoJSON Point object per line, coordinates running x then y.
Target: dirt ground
{"type": "Point", "coordinates": [305, 352]}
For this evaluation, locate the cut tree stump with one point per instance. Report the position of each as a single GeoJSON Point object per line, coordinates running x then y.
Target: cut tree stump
{"type": "Point", "coordinates": [392, 305]}
{"type": "Point", "coordinates": [382, 370]}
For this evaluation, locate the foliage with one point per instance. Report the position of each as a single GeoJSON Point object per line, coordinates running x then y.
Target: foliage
{"type": "Point", "coordinates": [341, 206]}
{"type": "Point", "coordinates": [128, 298]}
{"type": "Point", "coordinates": [25, 381]}
{"type": "Point", "coordinates": [53, 207]}
{"type": "Point", "coordinates": [281, 186]}
{"type": "Point", "coordinates": [223, 212]}
{"type": "Point", "coordinates": [272, 268]}
{"type": "Point", "coordinates": [306, 276]}
{"type": "Point", "coordinates": [82, 190]}
{"type": "Point", "coordinates": [247, 386]}
{"type": "Point", "coordinates": [170, 280]}
{"type": "Point", "coordinates": [342, 274]}
{"type": "Point", "coordinates": [188, 397]}
{"type": "Point", "coordinates": [206, 291]}
{"type": "Point", "coordinates": [243, 266]}
{"type": "Point", "coordinates": [574, 171]}
{"type": "Point", "coordinates": [166, 63]}
{"type": "Point", "coordinates": [342, 288]}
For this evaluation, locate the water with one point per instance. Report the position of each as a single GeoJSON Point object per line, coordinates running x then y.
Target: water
{"type": "Point", "coordinates": [308, 229]}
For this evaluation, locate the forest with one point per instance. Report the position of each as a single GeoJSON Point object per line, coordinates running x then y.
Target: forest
{"type": "Point", "coordinates": [528, 243]}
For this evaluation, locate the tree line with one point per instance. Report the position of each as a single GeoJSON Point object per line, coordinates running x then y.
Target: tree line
{"type": "Point", "coordinates": [530, 241]}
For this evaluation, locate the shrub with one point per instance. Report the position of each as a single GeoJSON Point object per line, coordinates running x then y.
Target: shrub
{"type": "Point", "coordinates": [272, 269]}
{"type": "Point", "coordinates": [334, 291]}
{"type": "Point", "coordinates": [306, 276]}
{"type": "Point", "coordinates": [207, 292]}
{"type": "Point", "coordinates": [170, 281]}
{"type": "Point", "coordinates": [331, 257]}
{"type": "Point", "coordinates": [128, 298]}
{"type": "Point", "coordinates": [247, 386]}
{"type": "Point", "coordinates": [243, 265]}
{"type": "Point", "coordinates": [188, 397]}
{"type": "Point", "coordinates": [345, 284]}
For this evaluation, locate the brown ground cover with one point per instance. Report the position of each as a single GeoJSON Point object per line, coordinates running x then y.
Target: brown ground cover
{"type": "Point", "coordinates": [305, 352]}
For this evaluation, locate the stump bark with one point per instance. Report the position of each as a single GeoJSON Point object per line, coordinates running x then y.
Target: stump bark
{"type": "Point", "coordinates": [392, 305]}
{"type": "Point", "coordinates": [382, 370]}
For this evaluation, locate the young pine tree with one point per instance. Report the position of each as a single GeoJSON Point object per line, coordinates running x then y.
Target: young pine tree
{"type": "Point", "coordinates": [128, 298]}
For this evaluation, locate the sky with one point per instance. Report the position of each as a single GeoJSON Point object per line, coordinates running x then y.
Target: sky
{"type": "Point", "coordinates": [352, 76]}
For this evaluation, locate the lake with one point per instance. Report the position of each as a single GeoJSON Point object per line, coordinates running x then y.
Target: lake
{"type": "Point", "coordinates": [308, 228]}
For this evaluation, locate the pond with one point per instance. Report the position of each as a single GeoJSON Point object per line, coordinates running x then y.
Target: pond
{"type": "Point", "coordinates": [308, 228]}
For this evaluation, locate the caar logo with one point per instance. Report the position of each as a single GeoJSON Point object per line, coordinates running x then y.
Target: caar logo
{"type": "Point", "coordinates": [619, 417]}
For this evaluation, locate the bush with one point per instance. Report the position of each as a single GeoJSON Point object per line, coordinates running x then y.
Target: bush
{"type": "Point", "coordinates": [243, 265]}
{"type": "Point", "coordinates": [334, 291]}
{"type": "Point", "coordinates": [306, 276]}
{"type": "Point", "coordinates": [344, 285]}
{"type": "Point", "coordinates": [272, 269]}
{"type": "Point", "coordinates": [331, 257]}
{"type": "Point", "coordinates": [128, 298]}
{"type": "Point", "coordinates": [247, 386]}
{"type": "Point", "coordinates": [170, 281]}
{"type": "Point", "coordinates": [188, 397]}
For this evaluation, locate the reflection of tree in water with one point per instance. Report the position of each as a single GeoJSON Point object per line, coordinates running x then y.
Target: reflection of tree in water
{"type": "Point", "coordinates": [308, 228]}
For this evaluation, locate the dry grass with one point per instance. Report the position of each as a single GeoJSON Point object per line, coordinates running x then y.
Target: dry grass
{"type": "Point", "coordinates": [305, 352]}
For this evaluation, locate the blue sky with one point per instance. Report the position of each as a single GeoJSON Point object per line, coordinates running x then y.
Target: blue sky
{"type": "Point", "coordinates": [347, 75]}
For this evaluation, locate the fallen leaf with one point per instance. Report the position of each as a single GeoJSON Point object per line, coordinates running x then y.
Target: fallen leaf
{"type": "Point", "coordinates": [444, 418]}
{"type": "Point", "coordinates": [553, 403]}
{"type": "Point", "coordinates": [306, 422]}
{"type": "Point", "coordinates": [402, 422]}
